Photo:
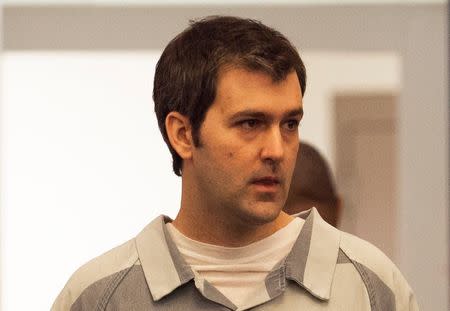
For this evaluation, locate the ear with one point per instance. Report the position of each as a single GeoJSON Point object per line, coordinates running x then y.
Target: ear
{"type": "Point", "coordinates": [179, 132]}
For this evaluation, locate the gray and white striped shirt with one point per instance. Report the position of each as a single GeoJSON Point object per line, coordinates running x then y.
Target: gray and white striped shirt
{"type": "Point", "coordinates": [326, 269]}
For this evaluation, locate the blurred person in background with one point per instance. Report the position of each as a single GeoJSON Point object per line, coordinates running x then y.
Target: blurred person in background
{"type": "Point", "coordinates": [228, 96]}
{"type": "Point", "coordinates": [313, 185]}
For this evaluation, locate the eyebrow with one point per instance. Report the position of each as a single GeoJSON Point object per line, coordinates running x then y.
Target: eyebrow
{"type": "Point", "coordinates": [261, 115]}
{"type": "Point", "coordinates": [295, 113]}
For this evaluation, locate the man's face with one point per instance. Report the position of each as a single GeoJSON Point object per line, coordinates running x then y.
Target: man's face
{"type": "Point", "coordinates": [248, 146]}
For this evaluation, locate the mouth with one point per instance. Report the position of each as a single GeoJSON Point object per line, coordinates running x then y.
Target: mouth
{"type": "Point", "coordinates": [266, 183]}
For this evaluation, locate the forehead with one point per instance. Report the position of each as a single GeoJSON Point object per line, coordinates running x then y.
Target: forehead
{"type": "Point", "coordinates": [239, 89]}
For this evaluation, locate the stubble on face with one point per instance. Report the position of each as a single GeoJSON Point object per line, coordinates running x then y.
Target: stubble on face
{"type": "Point", "coordinates": [228, 162]}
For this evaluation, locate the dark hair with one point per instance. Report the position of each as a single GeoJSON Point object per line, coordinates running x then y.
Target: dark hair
{"type": "Point", "coordinates": [186, 74]}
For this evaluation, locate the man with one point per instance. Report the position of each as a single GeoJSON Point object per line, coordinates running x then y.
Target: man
{"type": "Point", "coordinates": [228, 97]}
{"type": "Point", "coordinates": [312, 185]}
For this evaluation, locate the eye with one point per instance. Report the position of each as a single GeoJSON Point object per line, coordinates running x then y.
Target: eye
{"type": "Point", "coordinates": [249, 124]}
{"type": "Point", "coordinates": [292, 125]}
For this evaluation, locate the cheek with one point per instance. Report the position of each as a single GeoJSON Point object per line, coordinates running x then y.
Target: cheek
{"type": "Point", "coordinates": [292, 157]}
{"type": "Point", "coordinates": [290, 166]}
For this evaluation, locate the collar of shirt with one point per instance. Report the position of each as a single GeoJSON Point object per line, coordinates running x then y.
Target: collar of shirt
{"type": "Point", "coordinates": [310, 264]}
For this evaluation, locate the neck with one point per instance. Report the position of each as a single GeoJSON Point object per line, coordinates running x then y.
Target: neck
{"type": "Point", "coordinates": [200, 221]}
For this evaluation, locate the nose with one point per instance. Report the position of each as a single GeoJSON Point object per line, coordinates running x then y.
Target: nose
{"type": "Point", "coordinates": [273, 146]}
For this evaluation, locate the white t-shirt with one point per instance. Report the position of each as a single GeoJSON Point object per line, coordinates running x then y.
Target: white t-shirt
{"type": "Point", "coordinates": [237, 272]}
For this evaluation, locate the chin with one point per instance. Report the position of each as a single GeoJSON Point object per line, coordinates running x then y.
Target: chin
{"type": "Point", "coordinates": [262, 213]}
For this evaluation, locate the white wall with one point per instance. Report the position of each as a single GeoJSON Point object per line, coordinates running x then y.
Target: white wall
{"type": "Point", "coordinates": [329, 73]}
{"type": "Point", "coordinates": [84, 168]}
{"type": "Point", "coordinates": [83, 165]}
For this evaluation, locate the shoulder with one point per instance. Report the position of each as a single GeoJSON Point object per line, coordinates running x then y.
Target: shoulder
{"type": "Point", "coordinates": [366, 254]}
{"type": "Point", "coordinates": [97, 274]}
{"type": "Point", "coordinates": [379, 273]}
